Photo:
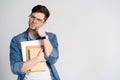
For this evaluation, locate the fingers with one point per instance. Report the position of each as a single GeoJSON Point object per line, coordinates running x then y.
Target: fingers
{"type": "Point", "coordinates": [41, 31]}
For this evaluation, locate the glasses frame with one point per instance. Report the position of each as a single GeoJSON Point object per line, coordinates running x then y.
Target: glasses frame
{"type": "Point", "coordinates": [36, 19]}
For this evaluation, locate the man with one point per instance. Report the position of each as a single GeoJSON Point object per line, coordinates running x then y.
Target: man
{"type": "Point", "coordinates": [36, 30]}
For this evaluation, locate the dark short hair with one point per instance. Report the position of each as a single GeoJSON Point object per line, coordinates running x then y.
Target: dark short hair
{"type": "Point", "coordinates": [43, 9]}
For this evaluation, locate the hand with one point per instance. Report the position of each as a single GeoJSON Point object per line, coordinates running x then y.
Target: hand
{"type": "Point", "coordinates": [41, 31]}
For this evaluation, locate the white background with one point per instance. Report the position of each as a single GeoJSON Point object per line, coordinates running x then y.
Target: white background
{"type": "Point", "coordinates": [88, 32]}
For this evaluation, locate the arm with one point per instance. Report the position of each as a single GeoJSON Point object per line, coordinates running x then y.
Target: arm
{"type": "Point", "coordinates": [47, 47]}
{"type": "Point", "coordinates": [51, 53]}
{"type": "Point", "coordinates": [54, 55]}
{"type": "Point", "coordinates": [50, 45]}
{"type": "Point", "coordinates": [17, 64]}
{"type": "Point", "coordinates": [29, 64]}
{"type": "Point", "coordinates": [15, 57]}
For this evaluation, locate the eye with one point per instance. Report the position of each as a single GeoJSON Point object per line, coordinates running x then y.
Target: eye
{"type": "Point", "coordinates": [32, 16]}
{"type": "Point", "coordinates": [39, 20]}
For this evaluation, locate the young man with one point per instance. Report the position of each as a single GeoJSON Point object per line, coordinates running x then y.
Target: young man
{"type": "Point", "coordinates": [36, 30]}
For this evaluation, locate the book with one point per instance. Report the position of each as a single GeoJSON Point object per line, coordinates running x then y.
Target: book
{"type": "Point", "coordinates": [31, 52]}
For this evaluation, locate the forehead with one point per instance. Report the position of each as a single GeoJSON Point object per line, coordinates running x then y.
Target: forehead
{"type": "Point", "coordinates": [39, 15]}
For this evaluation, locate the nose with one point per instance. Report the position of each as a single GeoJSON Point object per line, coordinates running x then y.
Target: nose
{"type": "Point", "coordinates": [34, 20]}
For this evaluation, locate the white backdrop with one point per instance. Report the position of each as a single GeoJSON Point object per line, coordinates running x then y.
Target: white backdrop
{"type": "Point", "coordinates": [88, 32]}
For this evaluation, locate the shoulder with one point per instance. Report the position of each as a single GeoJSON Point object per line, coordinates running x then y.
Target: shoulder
{"type": "Point", "coordinates": [52, 37]}
{"type": "Point", "coordinates": [20, 36]}
{"type": "Point", "coordinates": [50, 34]}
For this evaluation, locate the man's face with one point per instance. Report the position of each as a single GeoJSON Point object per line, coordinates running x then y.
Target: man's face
{"type": "Point", "coordinates": [36, 20]}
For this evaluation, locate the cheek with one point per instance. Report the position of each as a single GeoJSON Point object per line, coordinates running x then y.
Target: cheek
{"type": "Point", "coordinates": [29, 22]}
{"type": "Point", "coordinates": [39, 25]}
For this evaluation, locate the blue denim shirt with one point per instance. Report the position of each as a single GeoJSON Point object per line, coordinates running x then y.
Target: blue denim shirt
{"type": "Point", "coordinates": [16, 59]}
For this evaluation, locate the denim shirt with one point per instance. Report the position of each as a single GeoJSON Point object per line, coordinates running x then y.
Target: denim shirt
{"type": "Point", "coordinates": [16, 59]}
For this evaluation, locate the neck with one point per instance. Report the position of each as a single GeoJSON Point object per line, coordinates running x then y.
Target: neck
{"type": "Point", "coordinates": [33, 34]}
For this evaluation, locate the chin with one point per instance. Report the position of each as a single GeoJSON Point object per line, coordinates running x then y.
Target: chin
{"type": "Point", "coordinates": [33, 29]}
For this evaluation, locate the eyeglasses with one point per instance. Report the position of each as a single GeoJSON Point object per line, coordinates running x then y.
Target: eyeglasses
{"type": "Point", "coordinates": [37, 20]}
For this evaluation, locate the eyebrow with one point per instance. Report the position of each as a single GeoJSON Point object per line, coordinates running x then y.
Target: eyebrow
{"type": "Point", "coordinates": [38, 18]}
{"type": "Point", "coordinates": [35, 17]}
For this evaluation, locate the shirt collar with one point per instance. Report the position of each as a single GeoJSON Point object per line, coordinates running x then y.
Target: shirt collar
{"type": "Point", "coordinates": [27, 36]}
